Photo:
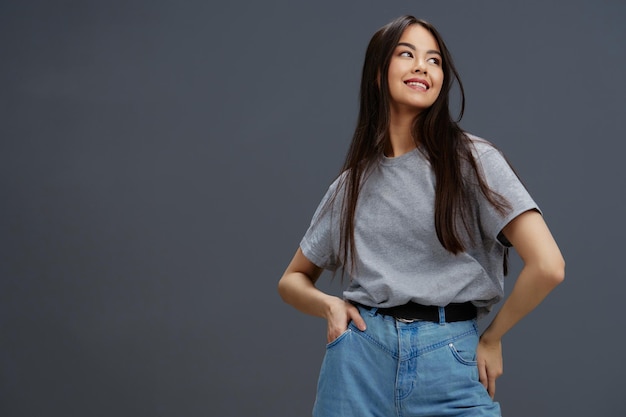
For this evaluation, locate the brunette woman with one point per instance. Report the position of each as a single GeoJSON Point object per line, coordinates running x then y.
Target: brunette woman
{"type": "Point", "coordinates": [420, 220]}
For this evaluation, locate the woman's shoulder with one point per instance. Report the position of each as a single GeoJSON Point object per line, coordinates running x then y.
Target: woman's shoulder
{"type": "Point", "coordinates": [480, 145]}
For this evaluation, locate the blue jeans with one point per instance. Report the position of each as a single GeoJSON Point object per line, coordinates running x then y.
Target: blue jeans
{"type": "Point", "coordinates": [403, 369]}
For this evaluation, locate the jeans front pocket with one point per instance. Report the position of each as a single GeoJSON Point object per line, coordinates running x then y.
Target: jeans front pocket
{"type": "Point", "coordinates": [463, 348]}
{"type": "Point", "coordinates": [339, 338]}
{"type": "Point", "coordinates": [464, 356]}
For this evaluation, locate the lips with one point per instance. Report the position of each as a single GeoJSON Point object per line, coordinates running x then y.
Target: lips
{"type": "Point", "coordinates": [417, 83]}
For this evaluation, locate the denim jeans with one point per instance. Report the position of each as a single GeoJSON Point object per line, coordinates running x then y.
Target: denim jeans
{"type": "Point", "coordinates": [403, 369]}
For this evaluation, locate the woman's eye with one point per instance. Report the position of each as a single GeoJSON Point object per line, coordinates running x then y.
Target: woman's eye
{"type": "Point", "coordinates": [407, 54]}
{"type": "Point", "coordinates": [435, 61]}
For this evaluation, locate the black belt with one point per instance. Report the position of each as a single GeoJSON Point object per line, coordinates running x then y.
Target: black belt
{"type": "Point", "coordinates": [414, 311]}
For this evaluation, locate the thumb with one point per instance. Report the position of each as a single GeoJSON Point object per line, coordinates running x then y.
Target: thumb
{"type": "Point", "coordinates": [482, 374]}
{"type": "Point", "coordinates": [356, 318]}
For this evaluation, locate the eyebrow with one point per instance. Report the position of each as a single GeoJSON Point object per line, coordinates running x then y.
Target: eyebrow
{"type": "Point", "coordinates": [411, 46]}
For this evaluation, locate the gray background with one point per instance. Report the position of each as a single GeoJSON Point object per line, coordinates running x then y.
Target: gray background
{"type": "Point", "coordinates": [159, 162]}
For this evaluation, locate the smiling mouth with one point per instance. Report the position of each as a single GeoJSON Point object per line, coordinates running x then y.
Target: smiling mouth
{"type": "Point", "coordinates": [417, 84]}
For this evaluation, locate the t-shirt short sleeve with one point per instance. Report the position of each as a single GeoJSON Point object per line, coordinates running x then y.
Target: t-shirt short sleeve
{"type": "Point", "coordinates": [501, 179]}
{"type": "Point", "coordinates": [319, 242]}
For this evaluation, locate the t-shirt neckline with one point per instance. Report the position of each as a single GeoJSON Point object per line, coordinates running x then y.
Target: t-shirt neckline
{"type": "Point", "coordinates": [386, 160]}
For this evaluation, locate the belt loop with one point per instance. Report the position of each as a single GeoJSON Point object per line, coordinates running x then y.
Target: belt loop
{"type": "Point", "coordinates": [372, 311]}
{"type": "Point", "coordinates": [442, 315]}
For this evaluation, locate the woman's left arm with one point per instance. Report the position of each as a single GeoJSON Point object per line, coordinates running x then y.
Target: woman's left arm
{"type": "Point", "coordinates": [544, 269]}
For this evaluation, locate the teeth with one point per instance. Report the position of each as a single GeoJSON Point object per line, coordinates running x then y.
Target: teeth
{"type": "Point", "coordinates": [417, 84]}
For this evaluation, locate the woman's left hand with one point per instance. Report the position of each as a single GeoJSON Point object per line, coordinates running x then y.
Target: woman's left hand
{"type": "Point", "coordinates": [489, 358]}
{"type": "Point", "coordinates": [543, 270]}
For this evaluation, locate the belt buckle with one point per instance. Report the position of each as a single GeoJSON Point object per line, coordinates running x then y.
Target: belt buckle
{"type": "Point", "coordinates": [401, 320]}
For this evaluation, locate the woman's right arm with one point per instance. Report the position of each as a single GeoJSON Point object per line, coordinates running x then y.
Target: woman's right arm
{"type": "Point", "coordinates": [297, 288]}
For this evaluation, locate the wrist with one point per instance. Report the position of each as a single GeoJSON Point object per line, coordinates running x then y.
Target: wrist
{"type": "Point", "coordinates": [330, 305]}
{"type": "Point", "coordinates": [489, 338]}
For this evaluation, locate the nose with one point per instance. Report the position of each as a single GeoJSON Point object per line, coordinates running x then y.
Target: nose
{"type": "Point", "coordinates": [419, 67]}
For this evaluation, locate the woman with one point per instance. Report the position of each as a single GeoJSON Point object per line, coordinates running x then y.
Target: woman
{"type": "Point", "coordinates": [420, 219]}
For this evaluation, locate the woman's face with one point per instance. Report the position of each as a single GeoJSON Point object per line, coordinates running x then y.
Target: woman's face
{"type": "Point", "coordinates": [415, 71]}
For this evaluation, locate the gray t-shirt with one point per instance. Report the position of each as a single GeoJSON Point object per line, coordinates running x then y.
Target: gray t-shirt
{"type": "Point", "coordinates": [399, 258]}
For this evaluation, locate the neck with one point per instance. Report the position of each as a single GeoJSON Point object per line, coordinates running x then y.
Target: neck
{"type": "Point", "coordinates": [401, 139]}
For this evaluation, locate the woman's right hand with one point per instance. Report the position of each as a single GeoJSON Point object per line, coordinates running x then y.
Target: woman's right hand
{"type": "Point", "coordinates": [297, 287]}
{"type": "Point", "coordinates": [340, 314]}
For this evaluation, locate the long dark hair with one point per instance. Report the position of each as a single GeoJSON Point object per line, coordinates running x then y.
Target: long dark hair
{"type": "Point", "coordinates": [436, 134]}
